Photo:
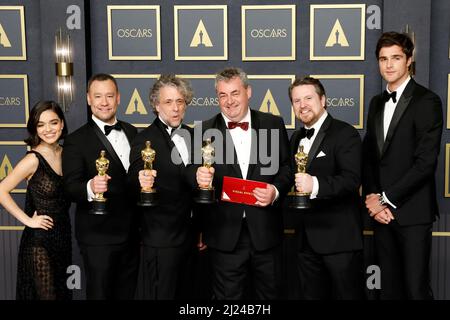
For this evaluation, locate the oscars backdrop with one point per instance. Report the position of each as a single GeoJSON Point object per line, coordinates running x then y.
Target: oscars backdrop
{"type": "Point", "coordinates": [273, 41]}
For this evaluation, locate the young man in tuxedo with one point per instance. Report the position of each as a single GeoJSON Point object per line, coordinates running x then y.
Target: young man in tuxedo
{"type": "Point", "coordinates": [167, 227]}
{"type": "Point", "coordinates": [330, 260]}
{"type": "Point", "coordinates": [245, 240]}
{"type": "Point", "coordinates": [401, 148]}
{"type": "Point", "coordinates": [107, 242]}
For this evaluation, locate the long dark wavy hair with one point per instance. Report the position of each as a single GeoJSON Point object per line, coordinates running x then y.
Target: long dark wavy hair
{"type": "Point", "coordinates": [33, 139]}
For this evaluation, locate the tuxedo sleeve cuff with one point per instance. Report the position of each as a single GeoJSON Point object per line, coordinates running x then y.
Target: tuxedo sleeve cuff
{"type": "Point", "coordinates": [315, 189]}
{"type": "Point", "coordinates": [90, 193]}
{"type": "Point", "coordinates": [385, 198]}
{"type": "Point", "coordinates": [277, 194]}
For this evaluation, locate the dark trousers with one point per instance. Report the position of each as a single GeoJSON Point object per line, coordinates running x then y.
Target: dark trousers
{"type": "Point", "coordinates": [336, 276]}
{"type": "Point", "coordinates": [403, 255]}
{"type": "Point", "coordinates": [231, 270]}
{"type": "Point", "coordinates": [111, 271]}
{"type": "Point", "coordinates": [166, 269]}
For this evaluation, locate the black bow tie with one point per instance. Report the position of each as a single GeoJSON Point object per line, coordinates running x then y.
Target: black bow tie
{"type": "Point", "coordinates": [171, 130]}
{"type": "Point", "coordinates": [387, 96]}
{"type": "Point", "coordinates": [306, 133]}
{"type": "Point", "coordinates": [108, 129]}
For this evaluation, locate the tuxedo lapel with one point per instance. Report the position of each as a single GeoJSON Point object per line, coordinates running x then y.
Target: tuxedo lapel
{"type": "Point", "coordinates": [398, 113]}
{"type": "Point", "coordinates": [254, 141]}
{"type": "Point", "coordinates": [162, 132]}
{"type": "Point", "coordinates": [379, 125]}
{"type": "Point", "coordinates": [318, 141]}
{"type": "Point", "coordinates": [296, 143]}
{"type": "Point", "coordinates": [112, 154]}
{"type": "Point", "coordinates": [187, 141]}
{"type": "Point", "coordinates": [128, 132]}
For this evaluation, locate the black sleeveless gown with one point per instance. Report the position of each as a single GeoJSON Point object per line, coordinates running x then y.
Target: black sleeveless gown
{"type": "Point", "coordinates": [45, 255]}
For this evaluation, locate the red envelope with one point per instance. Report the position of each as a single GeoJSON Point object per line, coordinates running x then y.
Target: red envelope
{"type": "Point", "coordinates": [240, 190]}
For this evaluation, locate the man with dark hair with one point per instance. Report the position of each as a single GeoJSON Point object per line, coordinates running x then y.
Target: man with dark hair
{"type": "Point", "coordinates": [400, 149]}
{"type": "Point", "coordinates": [245, 240]}
{"type": "Point", "coordinates": [329, 257]}
{"type": "Point", "coordinates": [167, 228]}
{"type": "Point", "coordinates": [107, 242]}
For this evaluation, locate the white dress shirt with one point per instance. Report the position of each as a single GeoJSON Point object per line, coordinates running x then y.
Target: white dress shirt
{"type": "Point", "coordinates": [389, 109]}
{"type": "Point", "coordinates": [120, 144]}
{"type": "Point", "coordinates": [179, 142]}
{"type": "Point", "coordinates": [307, 144]}
{"type": "Point", "coordinates": [242, 141]}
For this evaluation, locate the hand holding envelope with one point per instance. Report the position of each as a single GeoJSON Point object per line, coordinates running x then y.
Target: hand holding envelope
{"type": "Point", "coordinates": [255, 193]}
{"type": "Point", "coordinates": [265, 196]}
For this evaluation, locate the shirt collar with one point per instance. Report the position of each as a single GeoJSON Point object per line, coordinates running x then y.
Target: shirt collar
{"type": "Point", "coordinates": [318, 123]}
{"type": "Point", "coordinates": [246, 118]}
{"type": "Point", "coordinates": [168, 128]}
{"type": "Point", "coordinates": [400, 89]}
{"type": "Point", "coordinates": [102, 124]}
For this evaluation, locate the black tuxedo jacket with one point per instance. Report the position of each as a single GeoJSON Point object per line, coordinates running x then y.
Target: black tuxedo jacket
{"type": "Point", "coordinates": [169, 223]}
{"type": "Point", "coordinates": [223, 221]}
{"type": "Point", "coordinates": [333, 224]}
{"type": "Point", "coordinates": [81, 149]}
{"type": "Point", "coordinates": [403, 166]}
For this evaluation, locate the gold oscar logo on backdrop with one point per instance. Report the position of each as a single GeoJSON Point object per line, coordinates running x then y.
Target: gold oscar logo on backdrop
{"type": "Point", "coordinates": [4, 41]}
{"type": "Point", "coordinates": [201, 37]}
{"type": "Point", "coordinates": [337, 36]}
{"type": "Point", "coordinates": [136, 106]}
{"type": "Point", "coordinates": [5, 167]}
{"type": "Point", "coordinates": [269, 105]}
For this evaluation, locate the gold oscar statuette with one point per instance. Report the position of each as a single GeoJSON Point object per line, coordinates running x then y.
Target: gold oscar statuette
{"type": "Point", "coordinates": [148, 194]}
{"type": "Point", "coordinates": [300, 200]}
{"type": "Point", "coordinates": [99, 202]}
{"type": "Point", "coordinates": [206, 195]}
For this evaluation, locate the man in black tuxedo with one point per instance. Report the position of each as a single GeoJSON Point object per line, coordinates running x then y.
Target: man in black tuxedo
{"type": "Point", "coordinates": [244, 239]}
{"type": "Point", "coordinates": [107, 242]}
{"type": "Point", "coordinates": [401, 147]}
{"type": "Point", "coordinates": [167, 228]}
{"type": "Point", "coordinates": [330, 261]}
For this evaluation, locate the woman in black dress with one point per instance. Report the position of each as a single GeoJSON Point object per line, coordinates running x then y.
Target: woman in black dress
{"type": "Point", "coordinates": [45, 249]}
